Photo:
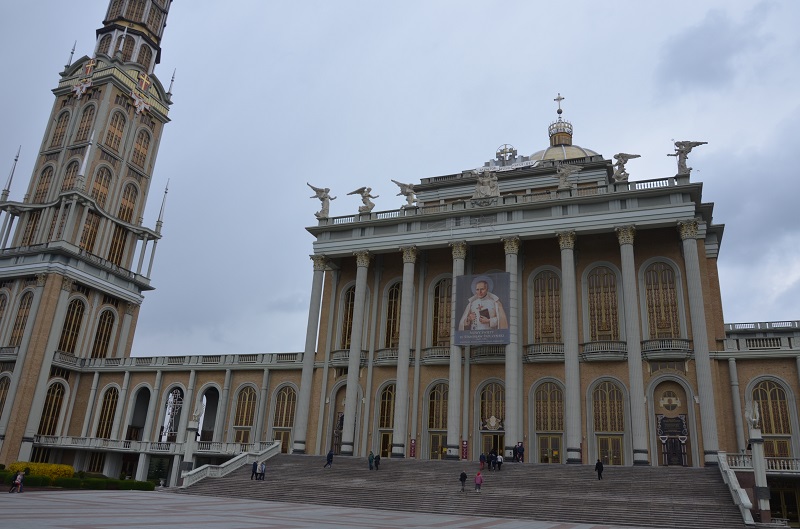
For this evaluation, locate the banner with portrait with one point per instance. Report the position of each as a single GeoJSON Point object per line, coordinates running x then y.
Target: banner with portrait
{"type": "Point", "coordinates": [482, 309]}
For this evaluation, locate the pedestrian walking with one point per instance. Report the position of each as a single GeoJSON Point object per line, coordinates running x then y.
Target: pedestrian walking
{"type": "Point", "coordinates": [262, 470]}
{"type": "Point", "coordinates": [371, 459]}
{"type": "Point", "coordinates": [598, 467]}
{"type": "Point", "coordinates": [482, 459]}
{"type": "Point", "coordinates": [521, 451]}
{"type": "Point", "coordinates": [377, 462]}
{"type": "Point", "coordinates": [329, 459]}
{"type": "Point", "coordinates": [463, 479]}
{"type": "Point", "coordinates": [478, 482]}
{"type": "Point", "coordinates": [499, 461]}
{"type": "Point", "coordinates": [254, 473]}
{"type": "Point", "coordinates": [16, 486]}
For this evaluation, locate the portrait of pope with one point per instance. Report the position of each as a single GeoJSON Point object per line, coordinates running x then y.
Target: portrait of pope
{"type": "Point", "coordinates": [484, 309]}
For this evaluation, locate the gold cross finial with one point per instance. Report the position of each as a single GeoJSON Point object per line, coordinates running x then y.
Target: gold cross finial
{"type": "Point", "coordinates": [558, 100]}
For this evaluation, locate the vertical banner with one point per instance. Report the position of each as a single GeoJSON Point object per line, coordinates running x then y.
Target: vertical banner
{"type": "Point", "coordinates": [464, 450]}
{"type": "Point", "coordinates": [412, 449]}
{"type": "Point", "coordinates": [481, 302]}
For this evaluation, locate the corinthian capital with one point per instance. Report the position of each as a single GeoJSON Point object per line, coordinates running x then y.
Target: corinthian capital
{"type": "Point", "coordinates": [459, 249]}
{"type": "Point", "coordinates": [409, 254]}
{"type": "Point", "coordinates": [362, 258]}
{"type": "Point", "coordinates": [511, 245]}
{"type": "Point", "coordinates": [67, 284]}
{"type": "Point", "coordinates": [625, 234]}
{"type": "Point", "coordinates": [687, 229]}
{"type": "Point", "coordinates": [566, 239]}
{"type": "Point", "coordinates": [320, 261]}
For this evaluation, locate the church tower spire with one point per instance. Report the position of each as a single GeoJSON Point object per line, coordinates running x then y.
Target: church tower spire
{"type": "Point", "coordinates": [68, 247]}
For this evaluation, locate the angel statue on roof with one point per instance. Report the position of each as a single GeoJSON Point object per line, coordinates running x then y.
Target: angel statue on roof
{"type": "Point", "coordinates": [564, 171]}
{"type": "Point", "coordinates": [682, 150]}
{"type": "Point", "coordinates": [620, 174]}
{"type": "Point", "coordinates": [365, 199]}
{"type": "Point", "coordinates": [323, 194]}
{"type": "Point", "coordinates": [406, 190]}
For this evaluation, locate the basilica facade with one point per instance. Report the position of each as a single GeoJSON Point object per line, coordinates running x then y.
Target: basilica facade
{"type": "Point", "coordinates": [541, 304]}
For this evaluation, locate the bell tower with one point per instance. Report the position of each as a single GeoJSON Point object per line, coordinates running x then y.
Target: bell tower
{"type": "Point", "coordinates": [75, 258]}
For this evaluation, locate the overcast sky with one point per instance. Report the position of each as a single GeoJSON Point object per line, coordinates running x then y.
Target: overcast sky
{"type": "Point", "coordinates": [270, 95]}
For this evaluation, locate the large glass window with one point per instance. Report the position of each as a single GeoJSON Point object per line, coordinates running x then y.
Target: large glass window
{"type": "Point", "coordinates": [87, 119]}
{"type": "Point", "coordinates": [51, 412]}
{"type": "Point", "coordinates": [392, 330]}
{"type": "Point", "coordinates": [347, 316]}
{"type": "Point", "coordinates": [43, 186]}
{"type": "Point", "coordinates": [442, 312]}
{"type": "Point", "coordinates": [662, 301]}
{"type": "Point", "coordinates": [609, 410]}
{"type": "Point", "coordinates": [72, 326]}
{"type": "Point", "coordinates": [102, 338]}
{"type": "Point", "coordinates": [30, 227]}
{"type": "Point", "coordinates": [60, 130]}
{"type": "Point", "coordinates": [775, 425]}
{"type": "Point", "coordinates": [69, 176]}
{"type": "Point", "coordinates": [140, 148]}
{"type": "Point", "coordinates": [21, 320]}
{"type": "Point", "coordinates": [437, 410]}
{"type": "Point", "coordinates": [602, 298]}
{"type": "Point", "coordinates": [102, 182]}
{"type": "Point", "coordinates": [89, 234]}
{"type": "Point", "coordinates": [245, 412]}
{"type": "Point", "coordinates": [107, 411]}
{"type": "Point", "coordinates": [5, 382]}
{"type": "Point", "coordinates": [549, 408]}
{"type": "Point", "coordinates": [114, 132]}
{"type": "Point", "coordinates": [546, 307]}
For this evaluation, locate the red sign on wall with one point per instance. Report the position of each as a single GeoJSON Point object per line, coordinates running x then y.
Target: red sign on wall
{"type": "Point", "coordinates": [464, 450]}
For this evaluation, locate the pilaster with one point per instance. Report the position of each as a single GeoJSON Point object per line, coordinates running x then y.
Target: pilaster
{"type": "Point", "coordinates": [400, 433]}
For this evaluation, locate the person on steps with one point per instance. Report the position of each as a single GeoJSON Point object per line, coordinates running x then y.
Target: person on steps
{"type": "Point", "coordinates": [329, 459]}
{"type": "Point", "coordinates": [463, 479]}
{"type": "Point", "coordinates": [598, 467]}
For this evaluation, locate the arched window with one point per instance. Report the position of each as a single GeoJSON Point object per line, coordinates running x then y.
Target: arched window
{"type": "Point", "coordinates": [5, 383]}
{"type": "Point", "coordinates": [21, 320]}
{"type": "Point", "coordinates": [172, 416]}
{"type": "Point", "coordinates": [140, 148]}
{"type": "Point", "coordinates": [549, 408]}
{"type": "Point", "coordinates": [31, 226]}
{"type": "Point", "coordinates": [154, 20]}
{"type": "Point", "coordinates": [546, 307]}
{"type": "Point", "coordinates": [69, 176]}
{"type": "Point", "coordinates": [145, 54]}
{"type": "Point", "coordinates": [775, 425]}
{"type": "Point", "coordinates": [284, 417]}
{"type": "Point", "coordinates": [125, 213]}
{"type": "Point", "coordinates": [72, 326]}
{"type": "Point", "coordinates": [60, 130]}
{"type": "Point", "coordinates": [386, 420]}
{"type": "Point", "coordinates": [102, 338]}
{"type": "Point", "coordinates": [245, 412]}
{"type": "Point", "coordinates": [51, 412]}
{"type": "Point", "coordinates": [392, 330]}
{"type": "Point", "coordinates": [43, 186]}
{"type": "Point", "coordinates": [114, 132]}
{"type": "Point", "coordinates": [442, 312]}
{"type": "Point", "coordinates": [437, 407]}
{"type": "Point", "coordinates": [602, 298]}
{"type": "Point", "coordinates": [107, 414]}
{"type": "Point", "coordinates": [102, 182]}
{"type": "Point", "coordinates": [127, 47]}
{"type": "Point", "coordinates": [347, 317]}
{"type": "Point", "coordinates": [493, 404]}
{"type": "Point", "coordinates": [89, 234]}
{"type": "Point", "coordinates": [609, 422]}
{"type": "Point", "coordinates": [662, 301]}
{"type": "Point", "coordinates": [3, 305]}
{"type": "Point", "coordinates": [104, 44]}
{"type": "Point", "coordinates": [115, 10]}
{"type": "Point", "coordinates": [135, 11]}
{"type": "Point", "coordinates": [87, 119]}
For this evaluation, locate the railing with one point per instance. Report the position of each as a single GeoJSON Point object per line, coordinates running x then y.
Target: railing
{"type": "Point", "coordinates": [544, 352]}
{"type": "Point", "coordinates": [666, 349]}
{"type": "Point", "coordinates": [783, 464]}
{"type": "Point", "coordinates": [604, 350]}
{"type": "Point", "coordinates": [342, 357]}
{"type": "Point", "coordinates": [763, 343]}
{"type": "Point", "coordinates": [97, 443]}
{"type": "Point", "coordinates": [487, 353]}
{"type": "Point", "coordinates": [9, 352]}
{"type": "Point", "coordinates": [211, 359]}
{"type": "Point", "coordinates": [70, 359]}
{"type": "Point", "coordinates": [266, 451]}
{"type": "Point", "coordinates": [738, 494]}
{"type": "Point", "coordinates": [436, 355]}
{"type": "Point", "coordinates": [386, 356]}
{"type": "Point", "coordinates": [283, 358]}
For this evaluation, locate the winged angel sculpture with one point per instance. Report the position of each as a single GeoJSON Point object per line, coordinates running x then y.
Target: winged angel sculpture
{"type": "Point", "coordinates": [564, 170]}
{"type": "Point", "coordinates": [365, 199]}
{"type": "Point", "coordinates": [682, 150]}
{"type": "Point", "coordinates": [406, 190]}
{"type": "Point", "coordinates": [323, 194]}
{"type": "Point", "coordinates": [620, 174]}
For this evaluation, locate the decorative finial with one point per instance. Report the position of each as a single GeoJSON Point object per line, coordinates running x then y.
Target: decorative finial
{"type": "Point", "coordinates": [558, 100]}
{"type": "Point", "coordinates": [81, 177]}
{"type": "Point", "coordinates": [172, 81]}
{"type": "Point", "coordinates": [7, 189]}
{"type": "Point", "coordinates": [163, 203]}
{"type": "Point", "coordinates": [71, 54]}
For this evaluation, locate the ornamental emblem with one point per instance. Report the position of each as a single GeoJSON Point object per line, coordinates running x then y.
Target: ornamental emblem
{"type": "Point", "coordinates": [492, 423]}
{"type": "Point", "coordinates": [139, 101]}
{"type": "Point", "coordinates": [88, 68]}
{"type": "Point", "coordinates": [144, 82]}
{"type": "Point", "coordinates": [82, 87]}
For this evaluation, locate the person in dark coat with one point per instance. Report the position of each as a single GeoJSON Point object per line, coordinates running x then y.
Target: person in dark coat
{"type": "Point", "coordinates": [254, 474]}
{"type": "Point", "coordinates": [521, 452]}
{"type": "Point", "coordinates": [377, 461]}
{"type": "Point", "coordinates": [329, 459]}
{"type": "Point", "coordinates": [463, 479]}
{"type": "Point", "coordinates": [482, 459]}
{"type": "Point", "coordinates": [598, 467]}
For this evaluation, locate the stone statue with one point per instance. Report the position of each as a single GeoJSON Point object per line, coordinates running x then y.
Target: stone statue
{"type": "Point", "coordinates": [564, 170]}
{"type": "Point", "coordinates": [406, 190]}
{"type": "Point", "coordinates": [324, 196]}
{"type": "Point", "coordinates": [365, 199]}
{"type": "Point", "coordinates": [751, 414]}
{"type": "Point", "coordinates": [620, 174]}
{"type": "Point", "coordinates": [682, 150]}
{"type": "Point", "coordinates": [486, 187]}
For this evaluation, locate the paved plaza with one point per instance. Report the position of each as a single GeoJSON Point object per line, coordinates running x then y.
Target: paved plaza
{"type": "Point", "coordinates": [62, 509]}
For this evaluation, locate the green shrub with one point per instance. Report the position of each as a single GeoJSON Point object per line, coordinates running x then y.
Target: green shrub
{"type": "Point", "coordinates": [94, 484]}
{"type": "Point", "coordinates": [142, 485]}
{"type": "Point", "coordinates": [37, 481]}
{"type": "Point", "coordinates": [2, 466]}
{"type": "Point", "coordinates": [41, 469]}
{"type": "Point", "coordinates": [67, 483]}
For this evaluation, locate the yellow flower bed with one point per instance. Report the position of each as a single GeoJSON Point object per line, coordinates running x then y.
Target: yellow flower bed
{"type": "Point", "coordinates": [43, 469]}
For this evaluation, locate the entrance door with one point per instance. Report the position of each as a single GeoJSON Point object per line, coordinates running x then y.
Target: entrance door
{"type": "Point", "coordinates": [492, 441]}
{"type": "Point", "coordinates": [284, 436]}
{"type": "Point", "coordinates": [438, 445]}
{"type": "Point", "coordinates": [783, 504]}
{"type": "Point", "coordinates": [549, 449]}
{"type": "Point", "coordinates": [386, 444]}
{"type": "Point", "coordinates": [609, 448]}
{"type": "Point", "coordinates": [674, 452]}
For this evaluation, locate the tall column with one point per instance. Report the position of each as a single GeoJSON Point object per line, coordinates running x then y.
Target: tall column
{"type": "Point", "coordinates": [37, 402]}
{"type": "Point", "coordinates": [91, 405]}
{"type": "Point", "coordinates": [569, 324]}
{"type": "Point", "coordinates": [454, 388]}
{"type": "Point", "coordinates": [354, 363]}
{"type": "Point", "coordinates": [737, 405]}
{"type": "Point", "coordinates": [121, 401]}
{"type": "Point", "coordinates": [633, 336]}
{"type": "Point", "coordinates": [309, 352]}
{"type": "Point", "coordinates": [222, 409]}
{"type": "Point", "coordinates": [400, 433]}
{"type": "Point", "coordinates": [152, 409]}
{"type": "Point", "coordinates": [127, 320]}
{"type": "Point", "coordinates": [513, 428]}
{"type": "Point", "coordinates": [258, 434]}
{"type": "Point", "coordinates": [708, 415]}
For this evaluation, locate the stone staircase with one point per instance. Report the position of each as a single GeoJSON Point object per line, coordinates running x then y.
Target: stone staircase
{"type": "Point", "coordinates": [663, 497]}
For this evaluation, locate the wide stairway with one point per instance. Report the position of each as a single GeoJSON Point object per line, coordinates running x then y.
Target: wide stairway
{"type": "Point", "coordinates": [668, 497]}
